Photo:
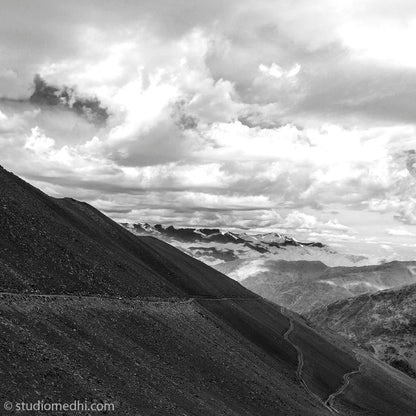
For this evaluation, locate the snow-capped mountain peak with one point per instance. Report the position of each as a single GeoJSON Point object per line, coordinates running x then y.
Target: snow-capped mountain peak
{"type": "Point", "coordinates": [223, 248]}
{"type": "Point", "coordinates": [271, 239]}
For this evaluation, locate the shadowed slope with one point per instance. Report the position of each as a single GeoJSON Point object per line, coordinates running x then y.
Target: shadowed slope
{"type": "Point", "coordinates": [149, 358]}
{"type": "Point", "coordinates": [65, 246]}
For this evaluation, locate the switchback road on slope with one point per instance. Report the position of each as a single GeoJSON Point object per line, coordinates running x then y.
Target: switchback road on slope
{"type": "Point", "coordinates": [329, 402]}
{"type": "Point", "coordinates": [300, 362]}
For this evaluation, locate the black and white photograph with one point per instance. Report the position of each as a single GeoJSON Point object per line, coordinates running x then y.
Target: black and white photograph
{"type": "Point", "coordinates": [208, 208]}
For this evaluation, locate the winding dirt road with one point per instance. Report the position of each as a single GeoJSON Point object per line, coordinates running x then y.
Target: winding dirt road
{"type": "Point", "coordinates": [330, 400]}
{"type": "Point", "coordinates": [328, 403]}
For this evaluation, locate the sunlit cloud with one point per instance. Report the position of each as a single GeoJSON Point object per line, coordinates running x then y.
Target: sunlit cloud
{"type": "Point", "coordinates": [234, 115]}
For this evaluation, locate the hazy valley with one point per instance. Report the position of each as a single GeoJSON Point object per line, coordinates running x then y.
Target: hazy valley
{"type": "Point", "coordinates": [383, 323]}
{"type": "Point", "coordinates": [300, 276]}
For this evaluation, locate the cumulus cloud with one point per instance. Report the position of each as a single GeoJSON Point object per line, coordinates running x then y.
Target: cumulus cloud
{"type": "Point", "coordinates": [411, 162]}
{"type": "Point", "coordinates": [38, 142]}
{"type": "Point", "coordinates": [400, 232]}
{"type": "Point", "coordinates": [407, 211]}
{"type": "Point", "coordinates": [299, 220]}
{"type": "Point", "coordinates": [234, 114]}
{"type": "Point", "coordinates": [275, 71]}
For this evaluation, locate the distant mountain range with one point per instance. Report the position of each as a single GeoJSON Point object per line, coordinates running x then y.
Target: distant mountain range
{"type": "Point", "coordinates": [291, 273]}
{"type": "Point", "coordinates": [89, 310]}
{"type": "Point", "coordinates": [383, 323]}
{"type": "Point", "coordinates": [214, 247]}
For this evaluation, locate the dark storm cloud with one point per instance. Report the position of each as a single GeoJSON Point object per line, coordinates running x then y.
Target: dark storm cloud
{"type": "Point", "coordinates": [49, 95]}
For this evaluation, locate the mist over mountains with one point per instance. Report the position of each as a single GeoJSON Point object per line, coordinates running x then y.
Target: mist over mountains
{"type": "Point", "coordinates": [298, 275]}
{"type": "Point", "coordinates": [215, 246]}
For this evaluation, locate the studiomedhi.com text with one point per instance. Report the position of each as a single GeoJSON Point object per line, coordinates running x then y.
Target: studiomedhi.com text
{"type": "Point", "coordinates": [75, 406]}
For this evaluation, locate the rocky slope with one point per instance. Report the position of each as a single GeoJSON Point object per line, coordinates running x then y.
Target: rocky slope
{"type": "Point", "coordinates": [90, 311]}
{"type": "Point", "coordinates": [384, 323]}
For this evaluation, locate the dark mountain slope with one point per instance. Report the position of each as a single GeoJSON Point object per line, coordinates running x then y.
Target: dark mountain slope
{"type": "Point", "coordinates": [99, 313]}
{"type": "Point", "coordinates": [149, 358]}
{"type": "Point", "coordinates": [265, 325]}
{"type": "Point", "coordinates": [372, 387]}
{"type": "Point", "coordinates": [66, 246]}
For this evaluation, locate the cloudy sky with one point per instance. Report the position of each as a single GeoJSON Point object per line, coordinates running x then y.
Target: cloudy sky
{"type": "Point", "coordinates": [296, 116]}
